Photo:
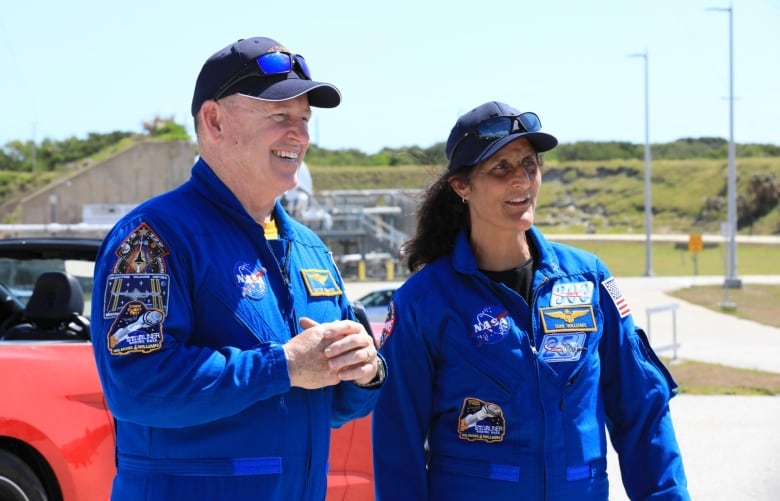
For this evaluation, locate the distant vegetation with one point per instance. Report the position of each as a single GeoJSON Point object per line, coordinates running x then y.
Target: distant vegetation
{"type": "Point", "coordinates": [682, 149]}
{"type": "Point", "coordinates": [588, 186]}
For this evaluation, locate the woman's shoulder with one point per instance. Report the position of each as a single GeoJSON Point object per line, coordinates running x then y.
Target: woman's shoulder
{"type": "Point", "coordinates": [572, 259]}
{"type": "Point", "coordinates": [428, 279]}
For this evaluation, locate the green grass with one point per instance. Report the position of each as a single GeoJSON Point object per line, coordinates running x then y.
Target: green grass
{"type": "Point", "coordinates": [756, 302]}
{"type": "Point", "coordinates": [701, 378]}
{"type": "Point", "coordinates": [627, 259]}
{"type": "Point", "coordinates": [608, 194]}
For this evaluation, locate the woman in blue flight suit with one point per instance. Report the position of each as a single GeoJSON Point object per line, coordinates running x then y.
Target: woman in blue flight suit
{"type": "Point", "coordinates": [511, 356]}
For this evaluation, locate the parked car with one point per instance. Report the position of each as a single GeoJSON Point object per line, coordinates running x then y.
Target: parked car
{"type": "Point", "coordinates": [56, 433]}
{"type": "Point", "coordinates": [376, 303]}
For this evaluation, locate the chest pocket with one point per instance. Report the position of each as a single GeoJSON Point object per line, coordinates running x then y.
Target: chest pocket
{"type": "Point", "coordinates": [488, 356]}
{"type": "Point", "coordinates": [239, 311]}
{"type": "Point", "coordinates": [568, 335]}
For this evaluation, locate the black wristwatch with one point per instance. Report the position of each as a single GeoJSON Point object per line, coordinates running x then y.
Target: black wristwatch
{"type": "Point", "coordinates": [381, 374]}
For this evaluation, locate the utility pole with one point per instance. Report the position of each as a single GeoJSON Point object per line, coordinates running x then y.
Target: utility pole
{"type": "Point", "coordinates": [648, 200]}
{"type": "Point", "coordinates": [731, 281]}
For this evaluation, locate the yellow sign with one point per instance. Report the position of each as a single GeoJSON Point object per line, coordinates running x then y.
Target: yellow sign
{"type": "Point", "coordinates": [695, 243]}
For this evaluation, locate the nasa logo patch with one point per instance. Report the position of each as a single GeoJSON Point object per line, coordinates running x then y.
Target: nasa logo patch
{"type": "Point", "coordinates": [490, 325]}
{"type": "Point", "coordinates": [250, 279]}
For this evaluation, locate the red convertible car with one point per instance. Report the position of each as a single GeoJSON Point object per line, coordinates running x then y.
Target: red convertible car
{"type": "Point", "coordinates": [56, 434]}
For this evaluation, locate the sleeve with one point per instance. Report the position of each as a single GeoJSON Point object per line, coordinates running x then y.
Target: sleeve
{"type": "Point", "coordinates": [400, 421]}
{"type": "Point", "coordinates": [637, 389]}
{"type": "Point", "coordinates": [150, 373]}
{"type": "Point", "coordinates": [351, 401]}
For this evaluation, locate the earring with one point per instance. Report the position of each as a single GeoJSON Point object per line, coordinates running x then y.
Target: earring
{"type": "Point", "coordinates": [464, 200]}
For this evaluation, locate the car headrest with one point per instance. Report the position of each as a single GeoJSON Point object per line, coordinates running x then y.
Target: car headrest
{"type": "Point", "coordinates": [56, 297]}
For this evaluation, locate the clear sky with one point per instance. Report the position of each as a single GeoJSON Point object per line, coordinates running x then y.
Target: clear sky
{"type": "Point", "coordinates": [406, 68]}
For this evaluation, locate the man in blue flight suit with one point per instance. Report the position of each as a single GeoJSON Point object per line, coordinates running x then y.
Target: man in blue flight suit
{"type": "Point", "coordinates": [225, 344]}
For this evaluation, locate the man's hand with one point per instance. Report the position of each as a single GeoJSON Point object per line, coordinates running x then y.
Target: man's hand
{"type": "Point", "coordinates": [326, 354]}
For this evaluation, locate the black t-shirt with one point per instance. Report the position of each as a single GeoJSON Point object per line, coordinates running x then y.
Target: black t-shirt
{"type": "Point", "coordinates": [519, 279]}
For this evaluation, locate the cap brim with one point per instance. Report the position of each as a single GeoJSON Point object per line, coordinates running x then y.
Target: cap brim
{"type": "Point", "coordinates": [321, 95]}
{"type": "Point", "coordinates": [541, 142]}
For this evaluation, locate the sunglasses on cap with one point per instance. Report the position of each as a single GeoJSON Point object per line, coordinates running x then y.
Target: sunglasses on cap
{"type": "Point", "coordinates": [268, 64]}
{"type": "Point", "coordinates": [498, 127]}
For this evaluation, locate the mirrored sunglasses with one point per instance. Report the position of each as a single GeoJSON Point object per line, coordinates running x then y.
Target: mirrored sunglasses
{"type": "Point", "coordinates": [268, 64]}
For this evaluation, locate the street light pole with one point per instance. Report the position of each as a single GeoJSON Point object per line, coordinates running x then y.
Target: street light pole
{"type": "Point", "coordinates": [731, 281]}
{"type": "Point", "coordinates": [648, 200]}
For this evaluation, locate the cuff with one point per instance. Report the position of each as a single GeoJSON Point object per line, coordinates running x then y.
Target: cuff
{"type": "Point", "coordinates": [379, 378]}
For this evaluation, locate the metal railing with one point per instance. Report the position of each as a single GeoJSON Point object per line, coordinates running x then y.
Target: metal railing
{"type": "Point", "coordinates": [661, 309]}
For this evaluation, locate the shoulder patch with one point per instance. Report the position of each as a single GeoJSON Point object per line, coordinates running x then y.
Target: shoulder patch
{"type": "Point", "coordinates": [150, 289]}
{"type": "Point", "coordinates": [387, 329]}
{"type": "Point", "coordinates": [137, 329]}
{"type": "Point", "coordinates": [613, 290]}
{"type": "Point", "coordinates": [142, 251]}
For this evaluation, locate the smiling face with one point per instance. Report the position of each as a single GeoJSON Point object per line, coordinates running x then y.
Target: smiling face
{"type": "Point", "coordinates": [501, 193]}
{"type": "Point", "coordinates": [256, 147]}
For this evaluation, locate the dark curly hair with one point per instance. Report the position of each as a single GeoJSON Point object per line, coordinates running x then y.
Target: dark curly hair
{"type": "Point", "coordinates": [440, 216]}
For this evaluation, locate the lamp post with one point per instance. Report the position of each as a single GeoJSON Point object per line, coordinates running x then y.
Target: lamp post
{"type": "Point", "coordinates": [648, 201]}
{"type": "Point", "coordinates": [731, 281]}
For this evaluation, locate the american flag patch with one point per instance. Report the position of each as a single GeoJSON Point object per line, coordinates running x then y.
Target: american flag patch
{"type": "Point", "coordinates": [614, 292]}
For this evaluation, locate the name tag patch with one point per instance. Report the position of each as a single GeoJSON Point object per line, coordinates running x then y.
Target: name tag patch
{"type": "Point", "coordinates": [320, 283]}
{"type": "Point", "coordinates": [575, 319]}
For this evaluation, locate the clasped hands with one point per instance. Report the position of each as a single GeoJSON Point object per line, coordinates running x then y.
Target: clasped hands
{"type": "Point", "coordinates": [328, 353]}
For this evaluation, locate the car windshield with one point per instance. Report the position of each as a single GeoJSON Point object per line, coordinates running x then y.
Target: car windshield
{"type": "Point", "coordinates": [377, 298]}
{"type": "Point", "coordinates": [19, 275]}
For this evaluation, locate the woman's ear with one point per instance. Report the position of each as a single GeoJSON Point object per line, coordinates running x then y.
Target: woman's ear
{"type": "Point", "coordinates": [459, 186]}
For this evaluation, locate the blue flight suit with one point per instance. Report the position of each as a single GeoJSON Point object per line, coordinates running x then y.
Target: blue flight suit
{"type": "Point", "coordinates": [489, 396]}
{"type": "Point", "coordinates": [190, 309]}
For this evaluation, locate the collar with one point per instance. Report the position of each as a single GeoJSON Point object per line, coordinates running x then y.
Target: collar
{"type": "Point", "coordinates": [463, 259]}
{"type": "Point", "coordinates": [214, 191]}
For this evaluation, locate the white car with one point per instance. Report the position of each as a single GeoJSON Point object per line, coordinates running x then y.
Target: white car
{"type": "Point", "coordinates": [376, 303]}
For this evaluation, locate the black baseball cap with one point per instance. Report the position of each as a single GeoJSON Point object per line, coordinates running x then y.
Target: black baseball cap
{"type": "Point", "coordinates": [468, 145]}
{"type": "Point", "coordinates": [243, 68]}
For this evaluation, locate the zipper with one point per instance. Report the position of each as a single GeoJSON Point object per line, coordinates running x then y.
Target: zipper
{"type": "Point", "coordinates": [532, 340]}
{"type": "Point", "coordinates": [534, 294]}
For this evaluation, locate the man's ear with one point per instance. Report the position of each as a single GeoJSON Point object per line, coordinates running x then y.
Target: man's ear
{"type": "Point", "coordinates": [211, 118]}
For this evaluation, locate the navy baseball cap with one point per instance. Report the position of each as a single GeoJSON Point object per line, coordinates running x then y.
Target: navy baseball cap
{"type": "Point", "coordinates": [261, 68]}
{"type": "Point", "coordinates": [480, 133]}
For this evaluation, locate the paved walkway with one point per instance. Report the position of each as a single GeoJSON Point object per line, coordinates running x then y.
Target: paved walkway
{"type": "Point", "coordinates": [701, 333]}
{"type": "Point", "coordinates": [730, 444]}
